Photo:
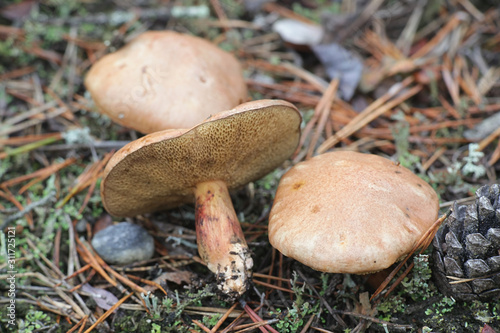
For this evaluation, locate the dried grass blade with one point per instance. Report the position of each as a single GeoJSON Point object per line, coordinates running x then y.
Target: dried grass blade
{"type": "Point", "coordinates": [472, 9]}
{"type": "Point", "coordinates": [449, 27]}
{"type": "Point", "coordinates": [329, 96]}
{"type": "Point", "coordinates": [308, 323]}
{"type": "Point", "coordinates": [28, 147]}
{"type": "Point", "coordinates": [200, 325]}
{"type": "Point", "coordinates": [484, 108]}
{"type": "Point", "coordinates": [255, 318]}
{"type": "Point", "coordinates": [88, 196]}
{"type": "Point", "coordinates": [80, 324]}
{"type": "Point", "coordinates": [79, 271]}
{"type": "Point", "coordinates": [88, 257]}
{"type": "Point", "coordinates": [469, 86]}
{"type": "Point", "coordinates": [272, 7]}
{"type": "Point", "coordinates": [219, 11]}
{"type": "Point", "coordinates": [317, 82]}
{"type": "Point", "coordinates": [452, 86]}
{"type": "Point", "coordinates": [17, 73]}
{"type": "Point", "coordinates": [272, 286]}
{"type": "Point", "coordinates": [269, 277]}
{"type": "Point", "coordinates": [360, 19]}
{"type": "Point", "coordinates": [253, 326]}
{"type": "Point", "coordinates": [489, 139]}
{"type": "Point", "coordinates": [86, 179]}
{"type": "Point", "coordinates": [48, 55]}
{"type": "Point", "coordinates": [439, 152]}
{"type": "Point", "coordinates": [57, 272]}
{"type": "Point", "coordinates": [151, 283]}
{"type": "Point", "coordinates": [11, 31]}
{"type": "Point", "coordinates": [223, 318]}
{"type": "Point", "coordinates": [32, 122]}
{"type": "Point", "coordinates": [488, 80]}
{"type": "Point", "coordinates": [459, 280]}
{"type": "Point", "coordinates": [108, 313]}
{"type": "Point", "coordinates": [234, 323]}
{"type": "Point", "coordinates": [21, 140]}
{"type": "Point", "coordinates": [120, 277]}
{"type": "Point", "coordinates": [6, 194]}
{"type": "Point", "coordinates": [423, 128]}
{"type": "Point", "coordinates": [68, 114]}
{"type": "Point", "coordinates": [49, 306]}
{"type": "Point", "coordinates": [87, 280]}
{"type": "Point", "coordinates": [321, 330]}
{"type": "Point", "coordinates": [28, 114]}
{"type": "Point", "coordinates": [495, 156]}
{"type": "Point", "coordinates": [448, 107]}
{"type": "Point", "coordinates": [72, 303]}
{"type": "Point", "coordinates": [371, 113]}
{"type": "Point", "coordinates": [407, 36]}
{"type": "Point", "coordinates": [318, 110]}
{"type": "Point", "coordinates": [41, 173]}
{"type": "Point", "coordinates": [31, 183]}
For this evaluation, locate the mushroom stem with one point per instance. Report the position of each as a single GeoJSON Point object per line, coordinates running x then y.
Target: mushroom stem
{"type": "Point", "coordinates": [221, 243]}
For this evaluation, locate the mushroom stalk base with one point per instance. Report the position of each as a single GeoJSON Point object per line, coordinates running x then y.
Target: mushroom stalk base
{"type": "Point", "coordinates": [221, 243]}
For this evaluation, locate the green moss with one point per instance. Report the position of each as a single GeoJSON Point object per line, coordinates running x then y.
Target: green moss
{"type": "Point", "coordinates": [391, 306]}
{"type": "Point", "coordinates": [401, 132]}
{"type": "Point", "coordinates": [30, 319]}
{"type": "Point", "coordinates": [293, 319]}
{"type": "Point", "coordinates": [417, 286]}
{"type": "Point", "coordinates": [211, 321]}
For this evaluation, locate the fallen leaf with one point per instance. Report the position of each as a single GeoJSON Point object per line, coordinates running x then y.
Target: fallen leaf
{"type": "Point", "coordinates": [18, 11]}
{"type": "Point", "coordinates": [102, 223]}
{"type": "Point", "coordinates": [103, 298]}
{"type": "Point", "coordinates": [487, 329]}
{"type": "Point", "coordinates": [340, 63]}
{"type": "Point", "coordinates": [178, 277]}
{"type": "Point", "coordinates": [49, 55]}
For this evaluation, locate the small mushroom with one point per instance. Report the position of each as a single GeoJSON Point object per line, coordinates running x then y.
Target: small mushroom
{"type": "Point", "coordinates": [168, 168]}
{"type": "Point", "coordinates": [348, 212]}
{"type": "Point", "coordinates": [165, 79]}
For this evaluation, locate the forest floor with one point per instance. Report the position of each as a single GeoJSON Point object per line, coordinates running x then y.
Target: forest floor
{"type": "Point", "coordinates": [413, 81]}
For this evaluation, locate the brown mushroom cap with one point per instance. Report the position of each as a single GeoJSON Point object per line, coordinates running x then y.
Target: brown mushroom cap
{"type": "Point", "coordinates": [164, 79]}
{"type": "Point", "coordinates": [160, 170]}
{"type": "Point", "coordinates": [347, 212]}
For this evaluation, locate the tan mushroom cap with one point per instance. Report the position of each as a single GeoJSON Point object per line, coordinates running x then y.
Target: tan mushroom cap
{"type": "Point", "coordinates": [160, 170]}
{"type": "Point", "coordinates": [347, 212]}
{"type": "Point", "coordinates": [164, 79]}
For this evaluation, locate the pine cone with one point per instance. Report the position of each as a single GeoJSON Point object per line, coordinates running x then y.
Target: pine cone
{"type": "Point", "coordinates": [467, 247]}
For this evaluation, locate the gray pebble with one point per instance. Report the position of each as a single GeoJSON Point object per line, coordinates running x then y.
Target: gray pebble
{"type": "Point", "coordinates": [123, 244]}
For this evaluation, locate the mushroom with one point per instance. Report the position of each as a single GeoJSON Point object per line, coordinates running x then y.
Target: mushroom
{"type": "Point", "coordinates": [168, 168]}
{"type": "Point", "coordinates": [165, 79]}
{"type": "Point", "coordinates": [348, 212]}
